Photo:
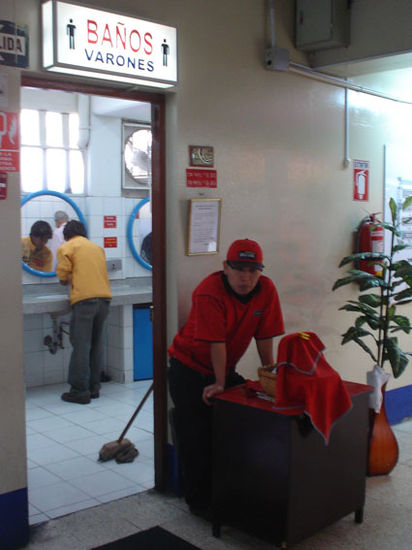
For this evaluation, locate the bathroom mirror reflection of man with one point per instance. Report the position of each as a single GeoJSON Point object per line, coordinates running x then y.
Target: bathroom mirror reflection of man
{"type": "Point", "coordinates": [34, 251]}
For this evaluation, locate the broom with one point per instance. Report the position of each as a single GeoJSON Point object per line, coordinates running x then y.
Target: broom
{"type": "Point", "coordinates": [122, 449]}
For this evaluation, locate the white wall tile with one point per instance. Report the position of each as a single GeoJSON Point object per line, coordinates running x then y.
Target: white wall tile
{"type": "Point", "coordinates": [95, 226]}
{"type": "Point", "coordinates": [112, 206]}
{"type": "Point", "coordinates": [33, 322]}
{"type": "Point", "coordinates": [114, 316]}
{"type": "Point", "coordinates": [54, 376]}
{"type": "Point", "coordinates": [94, 206]}
{"type": "Point", "coordinates": [33, 341]}
{"type": "Point", "coordinates": [126, 316]}
{"type": "Point", "coordinates": [34, 369]}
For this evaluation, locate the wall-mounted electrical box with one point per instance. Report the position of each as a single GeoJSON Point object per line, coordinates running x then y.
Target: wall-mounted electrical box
{"type": "Point", "coordinates": [322, 24]}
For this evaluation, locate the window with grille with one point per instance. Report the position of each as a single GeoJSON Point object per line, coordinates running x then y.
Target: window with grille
{"type": "Point", "coordinates": [50, 157]}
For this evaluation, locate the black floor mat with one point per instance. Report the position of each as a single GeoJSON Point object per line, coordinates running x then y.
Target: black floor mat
{"type": "Point", "coordinates": [155, 538]}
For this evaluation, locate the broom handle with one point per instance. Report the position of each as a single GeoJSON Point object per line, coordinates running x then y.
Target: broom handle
{"type": "Point", "coordinates": [136, 412]}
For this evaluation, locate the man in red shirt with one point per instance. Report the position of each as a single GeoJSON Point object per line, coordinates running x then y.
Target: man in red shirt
{"type": "Point", "coordinates": [229, 308]}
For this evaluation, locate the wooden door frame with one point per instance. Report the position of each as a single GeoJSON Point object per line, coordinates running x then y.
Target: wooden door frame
{"type": "Point", "coordinates": [157, 102]}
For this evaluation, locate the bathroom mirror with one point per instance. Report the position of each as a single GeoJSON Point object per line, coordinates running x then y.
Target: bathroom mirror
{"type": "Point", "coordinates": [139, 233]}
{"type": "Point", "coordinates": [41, 206]}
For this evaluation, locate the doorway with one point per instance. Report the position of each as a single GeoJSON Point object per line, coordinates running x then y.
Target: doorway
{"type": "Point", "coordinates": [157, 126]}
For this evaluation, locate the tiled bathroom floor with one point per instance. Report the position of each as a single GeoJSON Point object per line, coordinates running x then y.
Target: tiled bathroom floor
{"type": "Point", "coordinates": [386, 522]}
{"type": "Point", "coordinates": [63, 443]}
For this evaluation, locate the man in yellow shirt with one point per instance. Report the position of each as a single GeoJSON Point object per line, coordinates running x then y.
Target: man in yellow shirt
{"type": "Point", "coordinates": [82, 263]}
{"type": "Point", "coordinates": [34, 251]}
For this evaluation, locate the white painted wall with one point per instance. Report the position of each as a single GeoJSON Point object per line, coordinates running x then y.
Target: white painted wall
{"type": "Point", "coordinates": [12, 418]}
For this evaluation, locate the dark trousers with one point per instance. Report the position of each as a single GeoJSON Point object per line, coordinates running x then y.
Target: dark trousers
{"type": "Point", "coordinates": [193, 429]}
{"type": "Point", "coordinates": [87, 338]}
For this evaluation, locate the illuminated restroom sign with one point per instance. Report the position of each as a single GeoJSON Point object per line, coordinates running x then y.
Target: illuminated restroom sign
{"type": "Point", "coordinates": [103, 44]}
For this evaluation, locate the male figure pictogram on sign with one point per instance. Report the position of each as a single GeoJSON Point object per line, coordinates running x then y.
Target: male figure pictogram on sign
{"type": "Point", "coordinates": [70, 29]}
{"type": "Point", "coordinates": [165, 50]}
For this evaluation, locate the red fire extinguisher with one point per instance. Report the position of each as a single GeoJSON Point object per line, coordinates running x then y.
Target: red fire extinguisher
{"type": "Point", "coordinates": [370, 239]}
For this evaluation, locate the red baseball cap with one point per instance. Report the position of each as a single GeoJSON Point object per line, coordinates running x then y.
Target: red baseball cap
{"type": "Point", "coordinates": [245, 252]}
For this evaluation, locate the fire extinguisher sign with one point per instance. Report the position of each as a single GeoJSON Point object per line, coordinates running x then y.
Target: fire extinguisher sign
{"type": "Point", "coordinates": [360, 180]}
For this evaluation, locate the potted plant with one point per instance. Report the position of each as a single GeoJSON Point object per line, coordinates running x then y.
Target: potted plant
{"type": "Point", "coordinates": [376, 327]}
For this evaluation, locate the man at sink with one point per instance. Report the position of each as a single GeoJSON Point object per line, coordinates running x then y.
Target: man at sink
{"type": "Point", "coordinates": [82, 264]}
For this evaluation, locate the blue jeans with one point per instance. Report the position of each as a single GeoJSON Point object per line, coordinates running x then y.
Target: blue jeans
{"type": "Point", "coordinates": [87, 338]}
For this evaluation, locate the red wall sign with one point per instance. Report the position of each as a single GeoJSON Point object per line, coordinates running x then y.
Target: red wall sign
{"type": "Point", "coordinates": [110, 242]}
{"type": "Point", "coordinates": [360, 180]}
{"type": "Point", "coordinates": [9, 142]}
{"type": "Point", "coordinates": [196, 177]}
{"type": "Point", "coordinates": [3, 185]}
{"type": "Point", "coordinates": [110, 221]}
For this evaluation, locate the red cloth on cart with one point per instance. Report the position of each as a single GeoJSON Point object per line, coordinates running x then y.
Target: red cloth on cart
{"type": "Point", "coordinates": [305, 378]}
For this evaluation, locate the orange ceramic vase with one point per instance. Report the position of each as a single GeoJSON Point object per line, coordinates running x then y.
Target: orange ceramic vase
{"type": "Point", "coordinates": [383, 447]}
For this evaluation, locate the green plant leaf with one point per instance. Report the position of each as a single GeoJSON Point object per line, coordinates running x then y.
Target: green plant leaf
{"type": "Point", "coordinates": [407, 203]}
{"type": "Point", "coordinates": [394, 209]}
{"type": "Point", "coordinates": [404, 302]}
{"type": "Point", "coordinates": [391, 228]}
{"type": "Point", "coordinates": [373, 282]}
{"type": "Point", "coordinates": [407, 293]}
{"type": "Point", "coordinates": [399, 247]}
{"type": "Point", "coordinates": [402, 323]}
{"type": "Point", "coordinates": [352, 278]}
{"type": "Point", "coordinates": [396, 357]}
{"type": "Point", "coordinates": [403, 270]}
{"type": "Point", "coordinates": [363, 256]}
{"type": "Point", "coordinates": [373, 300]}
{"type": "Point", "coordinates": [360, 321]}
{"type": "Point", "coordinates": [371, 314]}
{"type": "Point", "coordinates": [354, 332]}
{"type": "Point", "coordinates": [390, 312]}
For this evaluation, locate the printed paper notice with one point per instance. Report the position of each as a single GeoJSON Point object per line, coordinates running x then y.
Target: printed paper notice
{"type": "Point", "coordinates": [204, 226]}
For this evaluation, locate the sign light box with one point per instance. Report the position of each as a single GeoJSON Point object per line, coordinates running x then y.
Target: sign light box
{"type": "Point", "coordinates": [102, 44]}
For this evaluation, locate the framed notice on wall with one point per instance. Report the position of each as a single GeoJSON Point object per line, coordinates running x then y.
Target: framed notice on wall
{"type": "Point", "coordinates": [203, 226]}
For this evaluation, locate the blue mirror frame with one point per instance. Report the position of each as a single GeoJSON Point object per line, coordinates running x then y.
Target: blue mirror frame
{"type": "Point", "coordinates": [130, 223]}
{"type": "Point", "coordinates": [64, 197]}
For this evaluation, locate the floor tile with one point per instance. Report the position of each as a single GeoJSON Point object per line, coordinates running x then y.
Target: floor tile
{"type": "Point", "coordinates": [37, 441]}
{"type": "Point", "coordinates": [102, 483]}
{"type": "Point", "coordinates": [136, 471]}
{"type": "Point", "coordinates": [40, 477]}
{"type": "Point", "coordinates": [36, 413]}
{"type": "Point", "coordinates": [70, 508]}
{"type": "Point", "coordinates": [84, 415]}
{"type": "Point", "coordinates": [74, 468]}
{"type": "Point", "coordinates": [52, 453]}
{"type": "Point", "coordinates": [88, 446]}
{"type": "Point", "coordinates": [49, 423]}
{"type": "Point", "coordinates": [121, 493]}
{"type": "Point", "coordinates": [71, 433]}
{"type": "Point", "coordinates": [63, 443]}
{"type": "Point", "coordinates": [56, 495]}
{"type": "Point", "coordinates": [106, 426]}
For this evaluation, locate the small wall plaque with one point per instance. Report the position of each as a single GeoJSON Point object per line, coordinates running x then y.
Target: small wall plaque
{"type": "Point", "coordinates": [201, 155]}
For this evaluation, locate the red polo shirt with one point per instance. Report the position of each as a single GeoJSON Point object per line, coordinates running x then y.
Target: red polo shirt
{"type": "Point", "coordinates": [217, 315]}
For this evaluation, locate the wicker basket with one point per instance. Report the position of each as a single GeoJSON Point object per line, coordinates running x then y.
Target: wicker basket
{"type": "Point", "coordinates": [267, 379]}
